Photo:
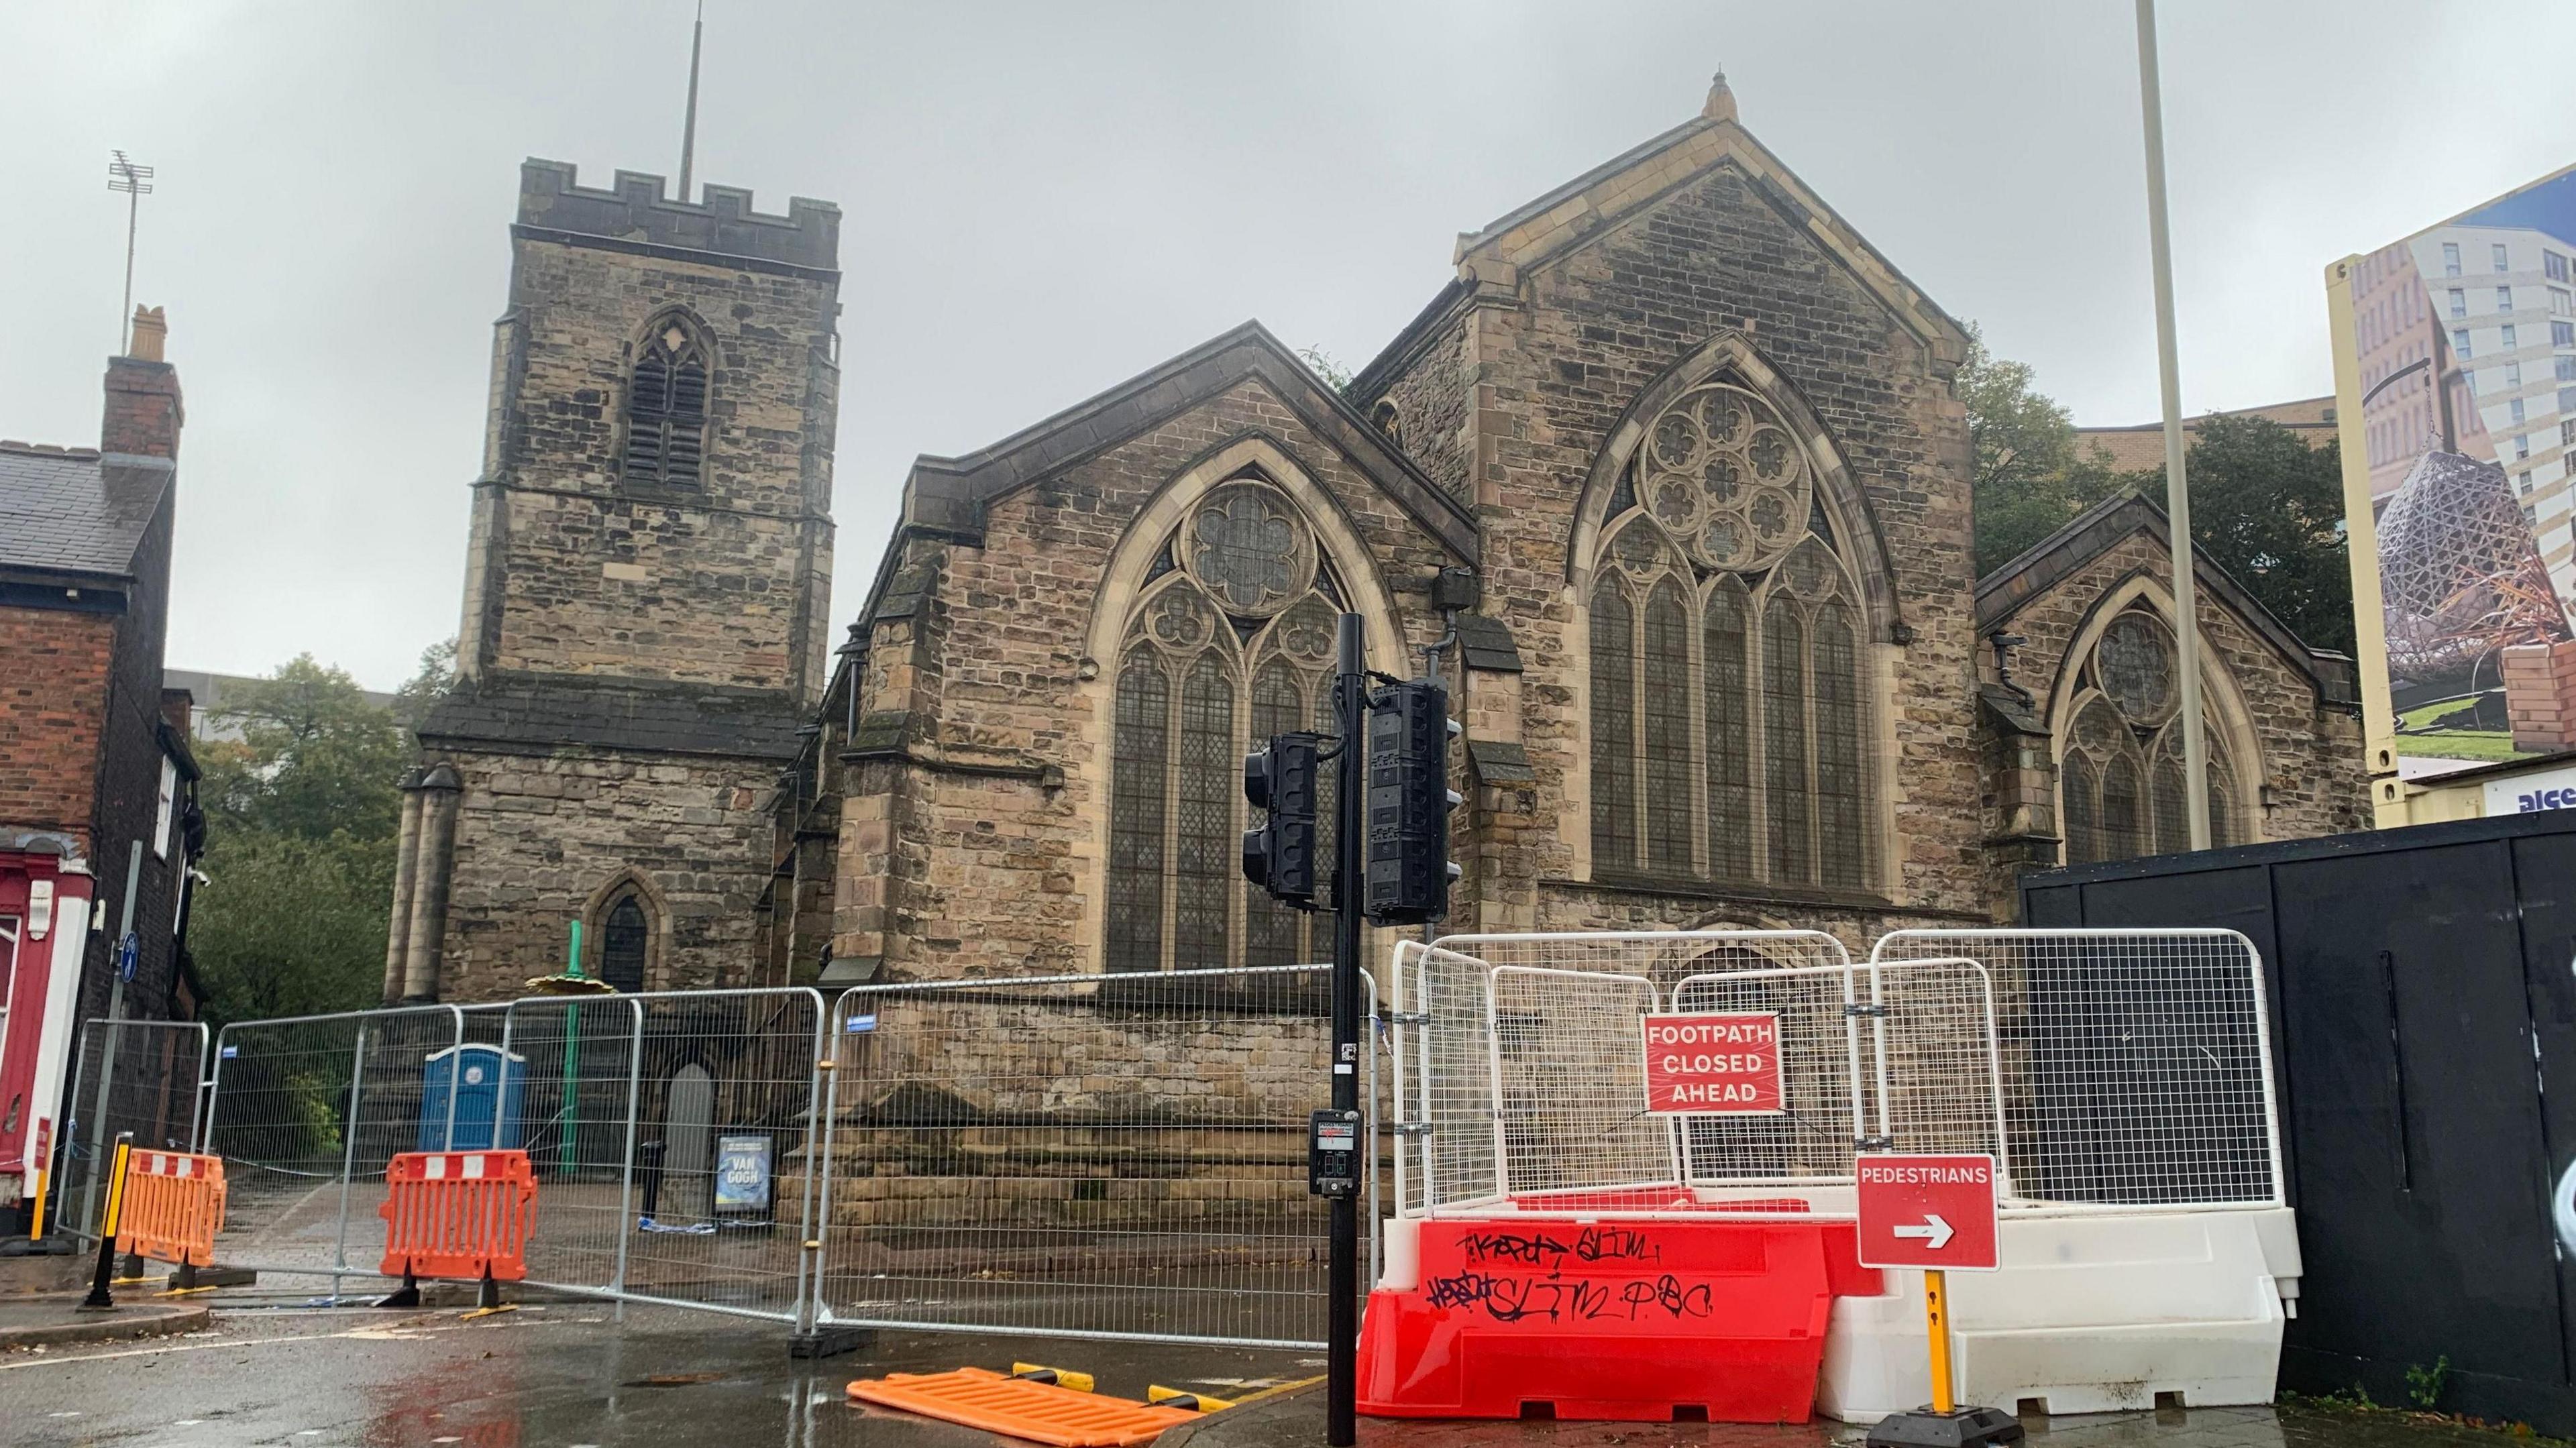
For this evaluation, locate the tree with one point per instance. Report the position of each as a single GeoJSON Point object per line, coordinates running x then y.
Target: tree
{"type": "Point", "coordinates": [2030, 477]}
{"type": "Point", "coordinates": [2268, 508]}
{"type": "Point", "coordinates": [1327, 366]}
{"type": "Point", "coordinates": [301, 815]}
{"type": "Point", "coordinates": [428, 683]}
{"type": "Point", "coordinates": [2264, 505]}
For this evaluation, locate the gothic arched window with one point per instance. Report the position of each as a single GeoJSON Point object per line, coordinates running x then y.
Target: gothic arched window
{"type": "Point", "coordinates": [666, 407]}
{"type": "Point", "coordinates": [1231, 641]}
{"type": "Point", "coordinates": [1731, 738]}
{"type": "Point", "coordinates": [625, 939]}
{"type": "Point", "coordinates": [2120, 782]}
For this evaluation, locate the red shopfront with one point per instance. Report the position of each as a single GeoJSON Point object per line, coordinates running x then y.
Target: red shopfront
{"type": "Point", "coordinates": [44, 931]}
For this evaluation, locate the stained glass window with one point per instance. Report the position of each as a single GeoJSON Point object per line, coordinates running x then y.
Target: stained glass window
{"type": "Point", "coordinates": [1247, 547]}
{"type": "Point", "coordinates": [1665, 680]}
{"type": "Point", "coordinates": [1200, 686]}
{"type": "Point", "coordinates": [2122, 809]}
{"type": "Point", "coordinates": [1206, 845]}
{"type": "Point", "coordinates": [623, 937]}
{"type": "Point", "coordinates": [1270, 929]}
{"type": "Point", "coordinates": [2172, 806]}
{"type": "Point", "coordinates": [2083, 790]}
{"type": "Point", "coordinates": [1784, 743]}
{"type": "Point", "coordinates": [1140, 756]}
{"type": "Point", "coordinates": [2123, 788]}
{"type": "Point", "coordinates": [1730, 736]}
{"type": "Point", "coordinates": [1840, 842]}
{"type": "Point", "coordinates": [1717, 524]}
{"type": "Point", "coordinates": [1614, 730]}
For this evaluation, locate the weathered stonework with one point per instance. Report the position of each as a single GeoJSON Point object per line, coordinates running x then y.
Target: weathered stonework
{"type": "Point", "coordinates": [967, 768]}
{"type": "Point", "coordinates": [638, 650]}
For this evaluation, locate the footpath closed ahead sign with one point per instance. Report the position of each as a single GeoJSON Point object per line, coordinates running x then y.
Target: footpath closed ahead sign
{"type": "Point", "coordinates": [1927, 1211]}
{"type": "Point", "coordinates": [1721, 1065]}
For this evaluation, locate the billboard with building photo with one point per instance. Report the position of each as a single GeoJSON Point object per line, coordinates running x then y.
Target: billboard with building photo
{"type": "Point", "coordinates": [2455, 385]}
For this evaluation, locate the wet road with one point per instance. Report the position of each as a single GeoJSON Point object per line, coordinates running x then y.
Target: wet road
{"type": "Point", "coordinates": [543, 1377]}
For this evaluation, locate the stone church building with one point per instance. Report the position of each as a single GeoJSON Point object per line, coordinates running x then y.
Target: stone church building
{"type": "Point", "coordinates": [1669, 483]}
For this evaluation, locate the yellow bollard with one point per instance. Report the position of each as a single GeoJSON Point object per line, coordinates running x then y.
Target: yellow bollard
{"type": "Point", "coordinates": [1936, 1323]}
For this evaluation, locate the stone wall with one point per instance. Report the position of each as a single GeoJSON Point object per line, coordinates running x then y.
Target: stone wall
{"type": "Point", "coordinates": [542, 838]}
{"type": "Point", "coordinates": [2309, 779]}
{"type": "Point", "coordinates": [571, 568]}
{"type": "Point", "coordinates": [974, 827]}
{"type": "Point", "coordinates": [1554, 354]}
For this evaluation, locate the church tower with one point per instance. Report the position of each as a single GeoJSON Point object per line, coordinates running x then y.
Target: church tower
{"type": "Point", "coordinates": [645, 591]}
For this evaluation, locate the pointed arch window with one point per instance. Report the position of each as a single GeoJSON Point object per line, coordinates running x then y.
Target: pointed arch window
{"type": "Point", "coordinates": [625, 942]}
{"type": "Point", "coordinates": [1230, 642]}
{"type": "Point", "coordinates": [2121, 784]}
{"type": "Point", "coordinates": [1730, 707]}
{"type": "Point", "coordinates": [666, 408]}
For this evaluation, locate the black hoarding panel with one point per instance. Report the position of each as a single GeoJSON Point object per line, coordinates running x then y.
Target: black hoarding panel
{"type": "Point", "coordinates": [2544, 874]}
{"type": "Point", "coordinates": [2416, 1121]}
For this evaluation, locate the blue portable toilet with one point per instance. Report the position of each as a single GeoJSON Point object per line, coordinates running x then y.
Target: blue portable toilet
{"type": "Point", "coordinates": [488, 1083]}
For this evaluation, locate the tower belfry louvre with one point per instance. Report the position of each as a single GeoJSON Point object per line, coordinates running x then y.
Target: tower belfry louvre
{"type": "Point", "coordinates": [646, 577]}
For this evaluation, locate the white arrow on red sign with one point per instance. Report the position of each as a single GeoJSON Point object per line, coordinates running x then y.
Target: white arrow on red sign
{"type": "Point", "coordinates": [1934, 1231]}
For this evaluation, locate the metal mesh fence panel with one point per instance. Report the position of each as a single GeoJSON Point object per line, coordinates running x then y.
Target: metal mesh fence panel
{"type": "Point", "coordinates": [139, 1076]}
{"type": "Point", "coordinates": [1097, 1156]}
{"type": "Point", "coordinates": [1810, 1141]}
{"type": "Point", "coordinates": [1570, 1086]}
{"type": "Point", "coordinates": [2135, 1065]}
{"type": "Point", "coordinates": [673, 1140]}
{"type": "Point", "coordinates": [305, 1112]}
{"type": "Point", "coordinates": [1932, 1082]}
{"type": "Point", "coordinates": [1665, 957]}
{"type": "Point", "coordinates": [1445, 1081]}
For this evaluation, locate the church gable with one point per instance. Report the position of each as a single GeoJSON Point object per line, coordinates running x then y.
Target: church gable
{"type": "Point", "coordinates": [2092, 658]}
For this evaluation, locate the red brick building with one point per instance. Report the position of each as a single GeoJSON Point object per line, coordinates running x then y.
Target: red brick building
{"type": "Point", "coordinates": [96, 781]}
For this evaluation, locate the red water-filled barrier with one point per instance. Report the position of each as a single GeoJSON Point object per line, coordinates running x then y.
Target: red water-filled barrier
{"type": "Point", "coordinates": [1629, 1321]}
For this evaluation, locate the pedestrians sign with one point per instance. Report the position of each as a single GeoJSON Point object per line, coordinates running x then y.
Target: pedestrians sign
{"type": "Point", "coordinates": [1716, 1065]}
{"type": "Point", "coordinates": [1935, 1212]}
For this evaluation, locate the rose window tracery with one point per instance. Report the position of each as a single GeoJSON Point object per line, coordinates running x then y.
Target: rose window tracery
{"type": "Point", "coordinates": [1719, 471]}
{"type": "Point", "coordinates": [1246, 546]}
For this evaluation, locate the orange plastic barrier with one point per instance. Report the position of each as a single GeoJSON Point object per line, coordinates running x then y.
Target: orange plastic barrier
{"type": "Point", "coordinates": [1636, 1321]}
{"type": "Point", "coordinates": [1019, 1408]}
{"type": "Point", "coordinates": [174, 1205]}
{"type": "Point", "coordinates": [458, 1214]}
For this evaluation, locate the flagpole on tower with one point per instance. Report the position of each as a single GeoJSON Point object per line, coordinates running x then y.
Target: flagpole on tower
{"type": "Point", "coordinates": [136, 182]}
{"type": "Point", "coordinates": [689, 126]}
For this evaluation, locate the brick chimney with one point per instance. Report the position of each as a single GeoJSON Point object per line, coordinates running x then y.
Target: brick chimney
{"type": "Point", "coordinates": [143, 411]}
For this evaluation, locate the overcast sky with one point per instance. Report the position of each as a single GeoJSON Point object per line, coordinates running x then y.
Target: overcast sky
{"type": "Point", "coordinates": [1042, 199]}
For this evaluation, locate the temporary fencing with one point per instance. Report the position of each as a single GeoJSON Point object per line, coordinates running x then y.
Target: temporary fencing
{"type": "Point", "coordinates": [307, 1111]}
{"type": "Point", "coordinates": [1082, 1155]}
{"type": "Point", "coordinates": [673, 1135]}
{"type": "Point", "coordinates": [142, 1077]}
{"type": "Point", "coordinates": [1523, 1084]}
{"type": "Point", "coordinates": [458, 1214]}
{"type": "Point", "coordinates": [2135, 1066]}
{"type": "Point", "coordinates": [174, 1201]}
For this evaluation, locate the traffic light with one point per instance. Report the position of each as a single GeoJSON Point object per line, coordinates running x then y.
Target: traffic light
{"type": "Point", "coordinates": [1279, 853]}
{"type": "Point", "coordinates": [1409, 800]}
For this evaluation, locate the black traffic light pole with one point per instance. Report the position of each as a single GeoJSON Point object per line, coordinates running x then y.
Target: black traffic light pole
{"type": "Point", "coordinates": [1350, 838]}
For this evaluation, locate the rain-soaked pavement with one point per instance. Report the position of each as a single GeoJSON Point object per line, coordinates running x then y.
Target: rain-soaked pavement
{"type": "Point", "coordinates": [563, 1375]}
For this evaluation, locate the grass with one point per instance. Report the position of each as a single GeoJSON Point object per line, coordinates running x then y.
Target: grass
{"type": "Point", "coordinates": [2484, 745]}
{"type": "Point", "coordinates": [2434, 1427]}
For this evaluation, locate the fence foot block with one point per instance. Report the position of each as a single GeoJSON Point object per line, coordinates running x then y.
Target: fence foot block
{"type": "Point", "coordinates": [407, 1295]}
{"type": "Point", "coordinates": [1963, 1428]}
{"type": "Point", "coordinates": [830, 1340]}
